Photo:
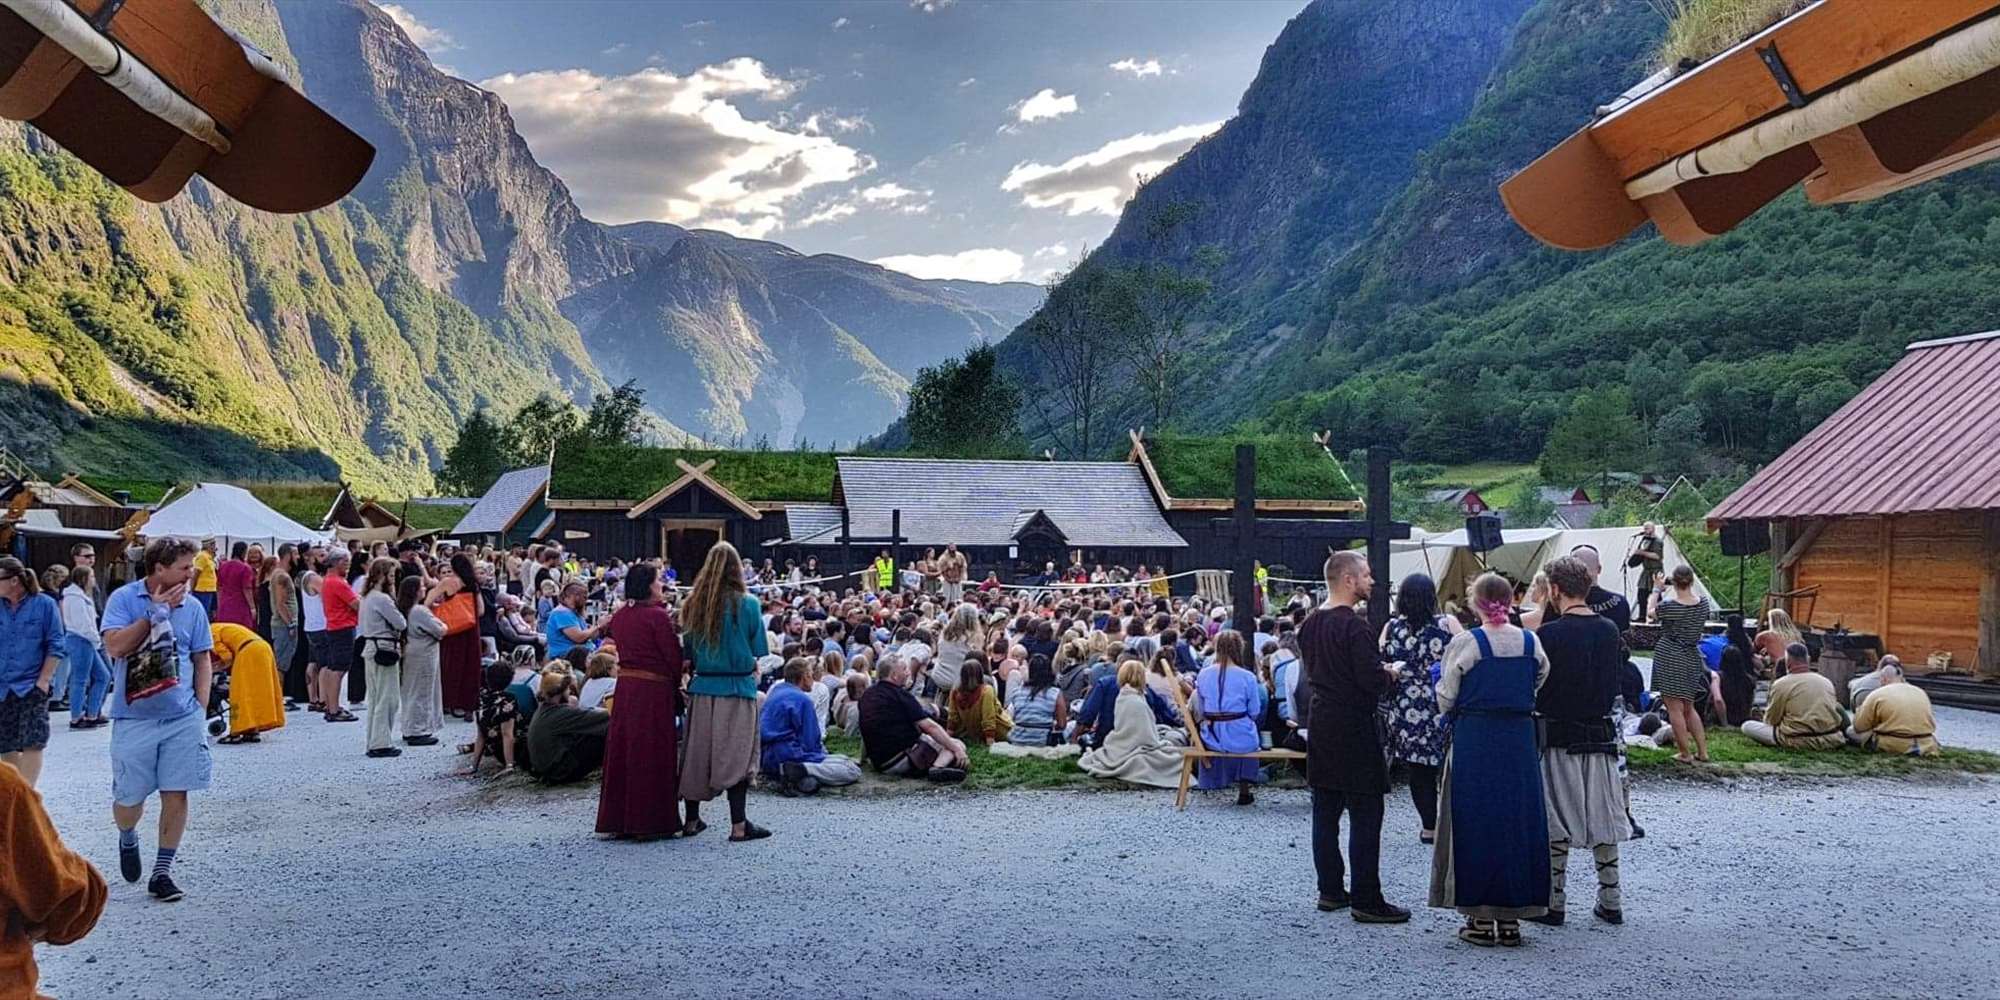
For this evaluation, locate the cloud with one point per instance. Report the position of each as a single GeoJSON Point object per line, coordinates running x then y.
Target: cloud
{"type": "Point", "coordinates": [891, 191]}
{"type": "Point", "coordinates": [840, 22]}
{"type": "Point", "coordinates": [1052, 250]}
{"type": "Point", "coordinates": [613, 50]}
{"type": "Point", "coordinates": [654, 145]}
{"type": "Point", "coordinates": [1045, 104]}
{"type": "Point", "coordinates": [829, 212]}
{"type": "Point", "coordinates": [828, 123]}
{"type": "Point", "coordinates": [1103, 179]}
{"type": "Point", "coordinates": [423, 35]}
{"type": "Point", "coordinates": [931, 6]}
{"type": "Point", "coordinates": [1149, 67]}
{"type": "Point", "coordinates": [698, 25]}
{"type": "Point", "coordinates": [984, 264]}
{"type": "Point", "coordinates": [968, 81]}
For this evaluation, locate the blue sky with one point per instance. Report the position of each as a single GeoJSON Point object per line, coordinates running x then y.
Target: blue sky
{"type": "Point", "coordinates": [948, 138]}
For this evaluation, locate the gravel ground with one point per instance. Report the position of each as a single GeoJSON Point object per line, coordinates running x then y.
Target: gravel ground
{"type": "Point", "coordinates": [313, 871]}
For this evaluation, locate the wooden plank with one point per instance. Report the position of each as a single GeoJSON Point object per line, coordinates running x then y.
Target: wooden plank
{"type": "Point", "coordinates": [1572, 197]}
{"type": "Point", "coordinates": [1798, 549]}
{"type": "Point", "coordinates": [1887, 555]}
{"type": "Point", "coordinates": [1988, 655]}
{"type": "Point", "coordinates": [181, 43]}
{"type": "Point", "coordinates": [1707, 207]}
{"type": "Point", "coordinates": [1821, 46]}
{"type": "Point", "coordinates": [1876, 154]}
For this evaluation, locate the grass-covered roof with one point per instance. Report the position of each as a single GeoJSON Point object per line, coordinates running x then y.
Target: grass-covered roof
{"type": "Point", "coordinates": [1289, 467]}
{"type": "Point", "coordinates": [628, 472]}
{"type": "Point", "coordinates": [1699, 30]}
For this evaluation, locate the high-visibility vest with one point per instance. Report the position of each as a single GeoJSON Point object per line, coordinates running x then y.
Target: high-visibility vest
{"type": "Point", "coordinates": [885, 574]}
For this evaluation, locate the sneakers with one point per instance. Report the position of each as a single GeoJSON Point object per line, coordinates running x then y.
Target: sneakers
{"type": "Point", "coordinates": [947, 775]}
{"type": "Point", "coordinates": [385, 752]}
{"type": "Point", "coordinates": [421, 741]}
{"type": "Point", "coordinates": [1381, 913]}
{"type": "Point", "coordinates": [1328, 904]}
{"type": "Point", "coordinates": [794, 781]}
{"type": "Point", "coordinates": [163, 889]}
{"type": "Point", "coordinates": [128, 862]}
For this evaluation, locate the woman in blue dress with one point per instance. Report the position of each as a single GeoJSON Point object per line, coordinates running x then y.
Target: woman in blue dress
{"type": "Point", "coordinates": [1491, 860]}
{"type": "Point", "coordinates": [1416, 637]}
{"type": "Point", "coordinates": [1228, 701]}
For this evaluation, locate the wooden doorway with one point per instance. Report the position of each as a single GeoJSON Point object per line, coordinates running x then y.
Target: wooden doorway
{"type": "Point", "coordinates": [684, 544]}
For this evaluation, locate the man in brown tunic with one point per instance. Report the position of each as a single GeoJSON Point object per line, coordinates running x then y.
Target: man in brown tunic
{"type": "Point", "coordinates": [1348, 773]}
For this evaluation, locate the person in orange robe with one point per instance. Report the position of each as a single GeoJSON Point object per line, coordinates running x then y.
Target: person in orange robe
{"type": "Point", "coordinates": [256, 694]}
{"type": "Point", "coordinates": [47, 891]}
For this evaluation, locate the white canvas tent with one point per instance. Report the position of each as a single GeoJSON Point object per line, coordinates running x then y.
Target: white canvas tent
{"type": "Point", "coordinates": [1446, 559]}
{"type": "Point", "coordinates": [227, 514]}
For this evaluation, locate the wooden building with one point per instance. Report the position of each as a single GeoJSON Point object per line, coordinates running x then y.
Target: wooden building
{"type": "Point", "coordinates": [1160, 507]}
{"type": "Point", "coordinates": [513, 511]}
{"type": "Point", "coordinates": [1888, 514]}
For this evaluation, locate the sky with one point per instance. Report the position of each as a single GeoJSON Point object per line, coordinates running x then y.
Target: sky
{"type": "Point", "coordinates": [945, 138]}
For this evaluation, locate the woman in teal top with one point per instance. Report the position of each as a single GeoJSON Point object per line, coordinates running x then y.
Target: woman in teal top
{"type": "Point", "coordinates": [722, 631]}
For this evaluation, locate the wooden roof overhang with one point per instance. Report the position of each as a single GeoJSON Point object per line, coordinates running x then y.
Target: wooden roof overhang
{"type": "Point", "coordinates": [1855, 98]}
{"type": "Point", "coordinates": [152, 92]}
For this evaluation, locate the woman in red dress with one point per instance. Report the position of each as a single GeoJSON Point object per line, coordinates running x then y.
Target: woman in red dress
{"type": "Point", "coordinates": [456, 603]}
{"type": "Point", "coordinates": [640, 797]}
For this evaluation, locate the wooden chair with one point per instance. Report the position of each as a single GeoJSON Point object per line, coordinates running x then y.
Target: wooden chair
{"type": "Point", "coordinates": [1198, 751]}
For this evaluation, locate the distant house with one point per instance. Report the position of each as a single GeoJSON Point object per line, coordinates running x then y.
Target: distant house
{"type": "Point", "coordinates": [1468, 501]}
{"type": "Point", "coordinates": [513, 511]}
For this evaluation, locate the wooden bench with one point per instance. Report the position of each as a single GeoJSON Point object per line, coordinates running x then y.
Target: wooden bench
{"type": "Point", "coordinates": [1198, 751]}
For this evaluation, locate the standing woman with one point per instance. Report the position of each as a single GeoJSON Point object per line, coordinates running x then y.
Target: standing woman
{"type": "Point", "coordinates": [724, 632]}
{"type": "Point", "coordinates": [282, 594]}
{"type": "Point", "coordinates": [381, 631]}
{"type": "Point", "coordinates": [423, 691]}
{"type": "Point", "coordinates": [639, 799]}
{"type": "Point", "coordinates": [89, 671]}
{"type": "Point", "coordinates": [1416, 637]}
{"type": "Point", "coordinates": [1679, 672]}
{"type": "Point", "coordinates": [1491, 862]}
{"type": "Point", "coordinates": [455, 604]}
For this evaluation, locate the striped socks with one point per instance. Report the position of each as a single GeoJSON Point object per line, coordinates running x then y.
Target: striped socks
{"type": "Point", "coordinates": [163, 863]}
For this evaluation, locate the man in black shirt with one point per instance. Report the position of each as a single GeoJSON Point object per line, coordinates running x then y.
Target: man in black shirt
{"type": "Point", "coordinates": [1613, 607]}
{"type": "Point", "coordinates": [1586, 796]}
{"type": "Point", "coordinates": [900, 737]}
{"type": "Point", "coordinates": [1646, 561]}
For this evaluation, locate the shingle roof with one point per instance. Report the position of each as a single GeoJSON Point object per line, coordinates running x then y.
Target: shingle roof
{"type": "Point", "coordinates": [974, 502]}
{"type": "Point", "coordinates": [503, 503]}
{"type": "Point", "coordinates": [802, 519]}
{"type": "Point", "coordinates": [1923, 437]}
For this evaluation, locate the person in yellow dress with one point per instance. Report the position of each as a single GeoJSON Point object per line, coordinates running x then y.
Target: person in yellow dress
{"type": "Point", "coordinates": [256, 696]}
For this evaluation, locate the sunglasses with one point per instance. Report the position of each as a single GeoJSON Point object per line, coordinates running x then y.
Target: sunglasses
{"type": "Point", "coordinates": [9, 575]}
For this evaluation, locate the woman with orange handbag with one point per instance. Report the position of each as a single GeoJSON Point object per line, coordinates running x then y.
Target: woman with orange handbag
{"type": "Point", "coordinates": [456, 604]}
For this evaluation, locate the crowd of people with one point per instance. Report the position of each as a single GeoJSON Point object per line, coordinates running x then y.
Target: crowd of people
{"type": "Point", "coordinates": [1508, 708]}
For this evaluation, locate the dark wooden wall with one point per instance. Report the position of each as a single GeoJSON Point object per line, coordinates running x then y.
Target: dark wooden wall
{"type": "Point", "coordinates": [1209, 548]}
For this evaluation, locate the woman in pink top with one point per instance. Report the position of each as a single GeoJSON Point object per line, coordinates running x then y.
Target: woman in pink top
{"type": "Point", "coordinates": [236, 589]}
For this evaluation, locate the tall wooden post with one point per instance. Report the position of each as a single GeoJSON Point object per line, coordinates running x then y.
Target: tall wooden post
{"type": "Point", "coordinates": [896, 546]}
{"type": "Point", "coordinates": [1989, 601]}
{"type": "Point", "coordinates": [847, 543]}
{"type": "Point", "coordinates": [1378, 535]}
{"type": "Point", "coordinates": [1243, 581]}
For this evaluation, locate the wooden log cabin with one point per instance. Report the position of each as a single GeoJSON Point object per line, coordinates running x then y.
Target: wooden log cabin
{"type": "Point", "coordinates": [1888, 513]}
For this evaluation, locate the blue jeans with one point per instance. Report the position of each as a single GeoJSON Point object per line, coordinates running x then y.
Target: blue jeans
{"type": "Point", "coordinates": [59, 682]}
{"type": "Point", "coordinates": [89, 678]}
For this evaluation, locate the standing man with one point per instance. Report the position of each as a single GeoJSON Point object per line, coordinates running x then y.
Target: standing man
{"type": "Point", "coordinates": [1611, 606]}
{"type": "Point", "coordinates": [1346, 766]}
{"type": "Point", "coordinates": [204, 576]}
{"type": "Point", "coordinates": [951, 569]}
{"type": "Point", "coordinates": [1647, 553]}
{"type": "Point", "coordinates": [343, 615]}
{"type": "Point", "coordinates": [884, 579]}
{"type": "Point", "coordinates": [31, 644]}
{"type": "Point", "coordinates": [83, 556]}
{"type": "Point", "coordinates": [159, 642]}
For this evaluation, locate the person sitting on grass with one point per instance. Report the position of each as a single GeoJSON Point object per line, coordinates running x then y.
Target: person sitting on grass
{"type": "Point", "coordinates": [1138, 749]}
{"type": "Point", "coordinates": [846, 707]}
{"type": "Point", "coordinates": [1897, 717]}
{"type": "Point", "coordinates": [498, 713]}
{"type": "Point", "coordinates": [1803, 713]}
{"type": "Point", "coordinates": [565, 741]}
{"type": "Point", "coordinates": [600, 680]}
{"type": "Point", "coordinates": [1041, 714]}
{"type": "Point", "coordinates": [788, 727]}
{"type": "Point", "coordinates": [974, 713]}
{"type": "Point", "coordinates": [899, 737]}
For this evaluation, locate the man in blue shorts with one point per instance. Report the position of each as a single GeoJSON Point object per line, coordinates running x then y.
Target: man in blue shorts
{"type": "Point", "coordinates": [157, 636]}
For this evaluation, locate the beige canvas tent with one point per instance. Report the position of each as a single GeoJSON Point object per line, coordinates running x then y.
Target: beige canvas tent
{"type": "Point", "coordinates": [1447, 560]}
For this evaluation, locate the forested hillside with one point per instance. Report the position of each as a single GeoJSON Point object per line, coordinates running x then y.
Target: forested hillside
{"type": "Point", "coordinates": [1449, 333]}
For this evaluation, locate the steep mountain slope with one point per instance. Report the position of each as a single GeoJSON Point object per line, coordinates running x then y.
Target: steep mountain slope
{"type": "Point", "coordinates": [1347, 97]}
{"type": "Point", "coordinates": [786, 346]}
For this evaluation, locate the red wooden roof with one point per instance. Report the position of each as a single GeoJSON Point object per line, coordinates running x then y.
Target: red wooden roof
{"type": "Point", "coordinates": [1923, 437]}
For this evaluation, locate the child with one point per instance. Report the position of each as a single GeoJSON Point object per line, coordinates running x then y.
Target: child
{"type": "Point", "coordinates": [498, 711]}
{"type": "Point", "coordinates": [600, 680]}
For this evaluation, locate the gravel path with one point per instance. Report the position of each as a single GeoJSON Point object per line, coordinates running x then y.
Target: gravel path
{"type": "Point", "coordinates": [313, 871]}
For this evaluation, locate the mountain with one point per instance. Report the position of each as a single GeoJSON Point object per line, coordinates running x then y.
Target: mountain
{"type": "Point", "coordinates": [787, 347]}
{"type": "Point", "coordinates": [1436, 325]}
{"type": "Point", "coordinates": [199, 338]}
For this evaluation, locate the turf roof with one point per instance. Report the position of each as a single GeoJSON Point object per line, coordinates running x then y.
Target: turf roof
{"type": "Point", "coordinates": [1289, 467]}
{"type": "Point", "coordinates": [613, 472]}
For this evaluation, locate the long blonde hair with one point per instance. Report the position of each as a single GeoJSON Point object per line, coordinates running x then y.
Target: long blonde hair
{"type": "Point", "coordinates": [718, 589]}
{"type": "Point", "coordinates": [964, 627]}
{"type": "Point", "coordinates": [1781, 622]}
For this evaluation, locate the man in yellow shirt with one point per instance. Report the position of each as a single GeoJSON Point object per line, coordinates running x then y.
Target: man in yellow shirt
{"type": "Point", "coordinates": [203, 584]}
{"type": "Point", "coordinates": [1804, 713]}
{"type": "Point", "coordinates": [1896, 717]}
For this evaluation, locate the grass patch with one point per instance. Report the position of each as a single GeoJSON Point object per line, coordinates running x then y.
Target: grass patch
{"type": "Point", "coordinates": [1699, 30]}
{"type": "Point", "coordinates": [617, 472]}
{"type": "Point", "coordinates": [1500, 484]}
{"type": "Point", "coordinates": [991, 772]}
{"type": "Point", "coordinates": [1289, 467]}
{"type": "Point", "coordinates": [1731, 752]}
{"type": "Point", "coordinates": [429, 517]}
{"type": "Point", "coordinates": [306, 503]}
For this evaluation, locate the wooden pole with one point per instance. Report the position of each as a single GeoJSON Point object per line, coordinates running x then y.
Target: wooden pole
{"type": "Point", "coordinates": [846, 543]}
{"type": "Point", "coordinates": [1378, 535]}
{"type": "Point", "coordinates": [896, 546]}
{"type": "Point", "coordinates": [1989, 601]}
{"type": "Point", "coordinates": [1243, 582]}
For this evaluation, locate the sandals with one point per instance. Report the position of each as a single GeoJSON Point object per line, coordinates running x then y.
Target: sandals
{"type": "Point", "coordinates": [232, 739]}
{"type": "Point", "coordinates": [691, 828]}
{"type": "Point", "coordinates": [1480, 932]}
{"type": "Point", "coordinates": [751, 831]}
{"type": "Point", "coordinates": [1510, 933]}
{"type": "Point", "coordinates": [342, 716]}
